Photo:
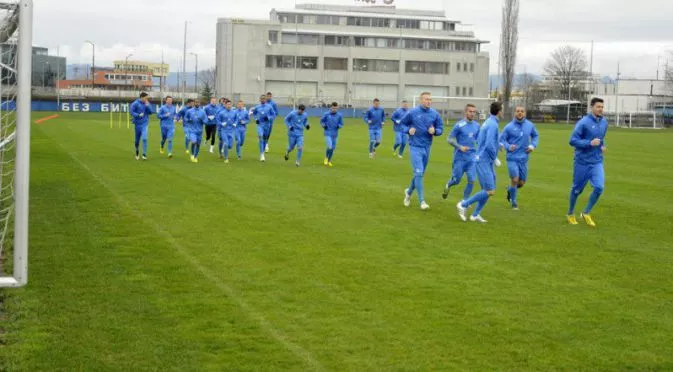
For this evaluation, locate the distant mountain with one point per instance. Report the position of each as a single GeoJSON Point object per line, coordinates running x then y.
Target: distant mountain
{"type": "Point", "coordinates": [494, 81]}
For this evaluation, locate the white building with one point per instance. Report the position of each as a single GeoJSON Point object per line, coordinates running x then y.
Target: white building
{"type": "Point", "coordinates": [635, 95]}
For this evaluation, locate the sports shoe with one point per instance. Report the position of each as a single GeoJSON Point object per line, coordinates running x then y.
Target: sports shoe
{"type": "Point", "coordinates": [226, 161]}
{"type": "Point", "coordinates": [477, 219]}
{"type": "Point", "coordinates": [191, 158]}
{"type": "Point", "coordinates": [400, 157]}
{"type": "Point", "coordinates": [170, 155]}
{"type": "Point", "coordinates": [407, 198]}
{"type": "Point", "coordinates": [137, 157]}
{"type": "Point", "coordinates": [266, 148]}
{"type": "Point", "coordinates": [296, 164]}
{"type": "Point", "coordinates": [239, 158]}
{"type": "Point", "coordinates": [461, 211]}
{"type": "Point", "coordinates": [589, 221]}
{"type": "Point", "coordinates": [211, 149]}
{"type": "Point", "coordinates": [515, 207]}
{"type": "Point", "coordinates": [424, 206]}
{"type": "Point", "coordinates": [161, 150]}
{"type": "Point", "coordinates": [371, 155]}
{"type": "Point", "coordinates": [445, 193]}
{"type": "Point", "coordinates": [187, 151]}
{"type": "Point", "coordinates": [325, 161]}
{"type": "Point", "coordinates": [329, 164]}
{"type": "Point", "coordinates": [572, 220]}
{"type": "Point", "coordinates": [144, 157]}
{"type": "Point", "coordinates": [262, 158]}
{"type": "Point", "coordinates": [287, 156]}
{"type": "Point", "coordinates": [394, 153]}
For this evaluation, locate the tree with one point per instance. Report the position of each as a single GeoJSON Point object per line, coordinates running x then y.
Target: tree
{"type": "Point", "coordinates": [206, 93]}
{"type": "Point", "coordinates": [567, 66]}
{"type": "Point", "coordinates": [668, 73]}
{"type": "Point", "coordinates": [207, 78]}
{"type": "Point", "coordinates": [509, 40]}
{"type": "Point", "coordinates": [529, 84]}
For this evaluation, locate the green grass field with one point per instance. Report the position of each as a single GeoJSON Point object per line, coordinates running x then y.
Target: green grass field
{"type": "Point", "coordinates": [169, 265]}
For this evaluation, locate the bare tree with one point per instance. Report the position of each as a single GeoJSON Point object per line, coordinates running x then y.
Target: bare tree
{"type": "Point", "coordinates": [567, 66]}
{"type": "Point", "coordinates": [509, 40]}
{"type": "Point", "coordinates": [529, 84]}
{"type": "Point", "coordinates": [668, 72]}
{"type": "Point", "coordinates": [208, 79]}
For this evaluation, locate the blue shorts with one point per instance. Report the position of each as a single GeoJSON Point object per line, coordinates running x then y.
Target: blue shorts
{"type": "Point", "coordinates": [375, 135]}
{"type": "Point", "coordinates": [195, 137]}
{"type": "Point", "coordinates": [168, 132]}
{"type": "Point", "coordinates": [141, 132]}
{"type": "Point", "coordinates": [583, 173]}
{"type": "Point", "coordinates": [467, 167]}
{"type": "Point", "coordinates": [486, 175]}
{"type": "Point", "coordinates": [401, 138]}
{"type": "Point", "coordinates": [226, 137]}
{"type": "Point", "coordinates": [419, 159]}
{"type": "Point", "coordinates": [331, 142]}
{"type": "Point", "coordinates": [518, 169]}
{"type": "Point", "coordinates": [264, 130]}
{"type": "Point", "coordinates": [295, 140]}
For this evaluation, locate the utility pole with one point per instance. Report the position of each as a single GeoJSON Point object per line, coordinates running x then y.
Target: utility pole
{"type": "Point", "coordinates": [617, 94]}
{"type": "Point", "coordinates": [184, 66]}
{"type": "Point", "coordinates": [93, 63]}
{"type": "Point", "coordinates": [196, 72]}
{"type": "Point", "coordinates": [161, 72]}
{"type": "Point", "coordinates": [126, 68]}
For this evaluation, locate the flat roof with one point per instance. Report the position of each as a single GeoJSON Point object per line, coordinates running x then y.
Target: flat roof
{"type": "Point", "coordinates": [365, 12]}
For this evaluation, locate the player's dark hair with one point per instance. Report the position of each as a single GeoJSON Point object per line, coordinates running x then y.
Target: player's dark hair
{"type": "Point", "coordinates": [167, 97]}
{"type": "Point", "coordinates": [334, 104]}
{"type": "Point", "coordinates": [143, 95]}
{"type": "Point", "coordinates": [376, 100]}
{"type": "Point", "coordinates": [301, 107]}
{"type": "Point", "coordinates": [404, 101]}
{"type": "Point", "coordinates": [596, 100]}
{"type": "Point", "coordinates": [263, 96]}
{"type": "Point", "coordinates": [496, 107]}
{"type": "Point", "coordinates": [190, 100]}
{"type": "Point", "coordinates": [269, 94]}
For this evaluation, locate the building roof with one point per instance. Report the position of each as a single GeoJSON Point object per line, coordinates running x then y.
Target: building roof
{"type": "Point", "coordinates": [558, 102]}
{"type": "Point", "coordinates": [367, 11]}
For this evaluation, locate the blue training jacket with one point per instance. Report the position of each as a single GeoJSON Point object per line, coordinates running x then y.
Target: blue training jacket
{"type": "Point", "coordinates": [263, 113]}
{"type": "Point", "coordinates": [422, 119]}
{"type": "Point", "coordinates": [211, 111]}
{"type": "Point", "coordinates": [140, 112]}
{"type": "Point", "coordinates": [166, 116]}
{"type": "Point", "coordinates": [587, 129]}
{"type": "Point", "coordinates": [332, 122]}
{"type": "Point", "coordinates": [521, 134]}
{"type": "Point", "coordinates": [242, 117]}
{"type": "Point", "coordinates": [227, 120]}
{"type": "Point", "coordinates": [466, 133]}
{"type": "Point", "coordinates": [196, 118]}
{"type": "Point", "coordinates": [397, 118]}
{"type": "Point", "coordinates": [487, 140]}
{"type": "Point", "coordinates": [274, 106]}
{"type": "Point", "coordinates": [296, 123]}
{"type": "Point", "coordinates": [377, 116]}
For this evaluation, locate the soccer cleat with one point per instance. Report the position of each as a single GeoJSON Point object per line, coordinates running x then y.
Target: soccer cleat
{"type": "Point", "coordinates": [144, 157]}
{"type": "Point", "coordinates": [394, 153]}
{"type": "Point", "coordinates": [589, 221]}
{"type": "Point", "coordinates": [187, 151]}
{"type": "Point", "coordinates": [137, 157]}
{"type": "Point", "coordinates": [445, 193]}
{"type": "Point", "coordinates": [287, 156]}
{"type": "Point", "coordinates": [296, 164]}
{"type": "Point", "coordinates": [226, 161]}
{"type": "Point", "coordinates": [325, 161]}
{"type": "Point", "coordinates": [407, 198]}
{"type": "Point", "coordinates": [211, 149]}
{"type": "Point", "coordinates": [424, 206]}
{"type": "Point", "coordinates": [477, 219]}
{"type": "Point", "coordinates": [572, 220]}
{"type": "Point", "coordinates": [330, 164]}
{"type": "Point", "coordinates": [400, 157]}
{"type": "Point", "coordinates": [371, 155]}
{"type": "Point", "coordinates": [461, 211]}
{"type": "Point", "coordinates": [515, 207]}
{"type": "Point", "coordinates": [161, 150]}
{"type": "Point", "coordinates": [239, 158]}
{"type": "Point", "coordinates": [170, 155]}
{"type": "Point", "coordinates": [266, 148]}
{"type": "Point", "coordinates": [191, 157]}
{"type": "Point", "coordinates": [262, 158]}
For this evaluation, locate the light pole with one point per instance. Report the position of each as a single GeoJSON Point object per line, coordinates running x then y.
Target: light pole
{"type": "Point", "coordinates": [184, 65]}
{"type": "Point", "coordinates": [43, 74]}
{"type": "Point", "coordinates": [126, 68]}
{"type": "Point", "coordinates": [93, 63]}
{"type": "Point", "coordinates": [196, 72]}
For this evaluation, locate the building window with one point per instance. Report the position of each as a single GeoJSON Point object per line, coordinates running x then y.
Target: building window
{"type": "Point", "coordinates": [307, 63]}
{"type": "Point", "coordinates": [471, 67]}
{"type": "Point", "coordinates": [380, 22]}
{"type": "Point", "coordinates": [273, 37]}
{"type": "Point", "coordinates": [448, 26]}
{"type": "Point", "coordinates": [431, 25]}
{"type": "Point", "coordinates": [471, 92]}
{"type": "Point", "coordinates": [464, 91]}
{"type": "Point", "coordinates": [458, 66]}
{"type": "Point", "coordinates": [376, 65]}
{"type": "Point", "coordinates": [465, 66]}
{"type": "Point", "coordinates": [408, 23]}
{"type": "Point", "coordinates": [457, 91]}
{"type": "Point", "coordinates": [305, 39]}
{"type": "Point", "coordinates": [427, 67]}
{"type": "Point", "coordinates": [327, 20]}
{"type": "Point", "coordinates": [336, 63]}
{"type": "Point", "coordinates": [363, 21]}
{"type": "Point", "coordinates": [337, 40]}
{"type": "Point", "coordinates": [287, 18]}
{"type": "Point", "coordinates": [279, 61]}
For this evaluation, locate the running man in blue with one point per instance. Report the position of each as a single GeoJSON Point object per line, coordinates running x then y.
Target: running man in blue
{"type": "Point", "coordinates": [263, 114]}
{"type": "Point", "coordinates": [227, 121]}
{"type": "Point", "coordinates": [140, 111]}
{"type": "Point", "coordinates": [486, 157]}
{"type": "Point", "coordinates": [197, 119]}
{"type": "Point", "coordinates": [519, 139]}
{"type": "Point", "coordinates": [185, 124]}
{"type": "Point", "coordinates": [588, 139]}
{"type": "Point", "coordinates": [296, 122]}
{"type": "Point", "coordinates": [332, 121]}
{"type": "Point", "coordinates": [242, 120]}
{"type": "Point", "coordinates": [211, 110]}
{"type": "Point", "coordinates": [463, 138]}
{"type": "Point", "coordinates": [272, 103]}
{"type": "Point", "coordinates": [422, 123]}
{"type": "Point", "coordinates": [375, 117]}
{"type": "Point", "coordinates": [167, 119]}
{"type": "Point", "coordinates": [401, 138]}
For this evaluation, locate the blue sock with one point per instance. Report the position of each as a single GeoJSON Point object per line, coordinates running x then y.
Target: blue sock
{"type": "Point", "coordinates": [402, 147]}
{"type": "Point", "coordinates": [144, 147]}
{"type": "Point", "coordinates": [261, 145]}
{"type": "Point", "coordinates": [453, 182]}
{"type": "Point", "coordinates": [300, 152]}
{"type": "Point", "coordinates": [192, 147]}
{"type": "Point", "coordinates": [593, 199]}
{"type": "Point", "coordinates": [376, 144]}
{"type": "Point", "coordinates": [412, 186]}
{"type": "Point", "coordinates": [468, 190]}
{"type": "Point", "coordinates": [186, 143]}
{"type": "Point", "coordinates": [371, 146]}
{"type": "Point", "coordinates": [573, 201]}
{"type": "Point", "coordinates": [481, 195]}
{"type": "Point", "coordinates": [163, 142]}
{"type": "Point", "coordinates": [220, 147]}
{"type": "Point", "coordinates": [226, 151]}
{"type": "Point", "coordinates": [238, 149]}
{"type": "Point", "coordinates": [512, 194]}
{"type": "Point", "coordinates": [418, 181]}
{"type": "Point", "coordinates": [480, 206]}
{"type": "Point", "coordinates": [397, 145]}
{"type": "Point", "coordinates": [197, 149]}
{"type": "Point", "coordinates": [331, 154]}
{"type": "Point", "coordinates": [170, 146]}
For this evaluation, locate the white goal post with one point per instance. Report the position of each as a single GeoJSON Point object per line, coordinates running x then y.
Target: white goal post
{"type": "Point", "coordinates": [15, 109]}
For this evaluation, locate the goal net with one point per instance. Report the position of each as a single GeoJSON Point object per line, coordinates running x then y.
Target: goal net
{"type": "Point", "coordinates": [453, 108]}
{"type": "Point", "coordinates": [15, 102]}
{"type": "Point", "coordinates": [637, 119]}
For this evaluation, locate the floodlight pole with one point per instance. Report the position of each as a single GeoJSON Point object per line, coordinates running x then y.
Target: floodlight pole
{"type": "Point", "coordinates": [93, 63]}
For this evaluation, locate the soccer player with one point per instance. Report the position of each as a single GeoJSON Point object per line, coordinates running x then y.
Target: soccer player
{"type": "Point", "coordinates": [272, 103]}
{"type": "Point", "coordinates": [401, 138]}
{"type": "Point", "coordinates": [486, 157]}
{"type": "Point", "coordinates": [263, 114]}
{"type": "Point", "coordinates": [227, 119]}
{"type": "Point", "coordinates": [167, 119]}
{"type": "Point", "coordinates": [588, 139]}
{"type": "Point", "coordinates": [197, 118]}
{"type": "Point", "coordinates": [211, 110]}
{"type": "Point", "coordinates": [296, 122]}
{"type": "Point", "coordinates": [331, 122]}
{"type": "Point", "coordinates": [140, 111]}
{"type": "Point", "coordinates": [519, 138]}
{"type": "Point", "coordinates": [375, 117]}
{"type": "Point", "coordinates": [422, 123]}
{"type": "Point", "coordinates": [463, 138]}
{"type": "Point", "coordinates": [243, 118]}
{"type": "Point", "coordinates": [185, 124]}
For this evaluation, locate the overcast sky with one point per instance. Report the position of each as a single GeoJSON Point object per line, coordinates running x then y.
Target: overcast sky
{"type": "Point", "coordinates": [635, 33]}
